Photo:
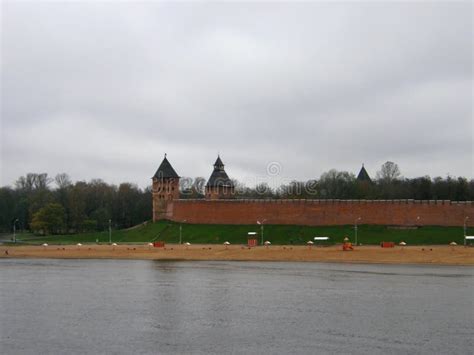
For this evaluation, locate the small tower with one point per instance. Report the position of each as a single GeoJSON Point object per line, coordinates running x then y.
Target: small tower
{"type": "Point", "coordinates": [363, 175]}
{"type": "Point", "coordinates": [165, 189]}
{"type": "Point", "coordinates": [219, 185]}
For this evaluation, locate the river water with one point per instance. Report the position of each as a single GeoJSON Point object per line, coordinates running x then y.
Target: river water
{"type": "Point", "coordinates": [151, 307]}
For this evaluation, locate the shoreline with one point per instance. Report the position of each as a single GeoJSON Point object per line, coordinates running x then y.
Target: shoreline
{"type": "Point", "coordinates": [419, 255]}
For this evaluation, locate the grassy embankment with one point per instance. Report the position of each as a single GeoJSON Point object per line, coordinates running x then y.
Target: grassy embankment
{"type": "Point", "coordinates": [277, 234]}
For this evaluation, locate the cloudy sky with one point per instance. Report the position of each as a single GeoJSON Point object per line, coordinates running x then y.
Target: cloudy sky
{"type": "Point", "coordinates": [104, 89]}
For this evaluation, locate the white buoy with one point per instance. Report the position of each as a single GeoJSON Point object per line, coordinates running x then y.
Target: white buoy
{"type": "Point", "coordinates": [45, 244]}
{"type": "Point", "coordinates": [453, 243]}
{"type": "Point", "coordinates": [187, 244]}
{"type": "Point", "coordinates": [79, 244]}
{"type": "Point", "coordinates": [226, 243]}
{"type": "Point", "coordinates": [402, 244]}
{"type": "Point", "coordinates": [114, 244]}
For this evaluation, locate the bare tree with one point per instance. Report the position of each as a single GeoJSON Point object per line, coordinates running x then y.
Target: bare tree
{"type": "Point", "coordinates": [42, 181]}
{"type": "Point", "coordinates": [388, 172]}
{"type": "Point", "coordinates": [33, 181]}
{"type": "Point", "coordinates": [62, 181]}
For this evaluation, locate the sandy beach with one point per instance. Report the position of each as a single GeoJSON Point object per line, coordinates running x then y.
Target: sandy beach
{"type": "Point", "coordinates": [441, 255]}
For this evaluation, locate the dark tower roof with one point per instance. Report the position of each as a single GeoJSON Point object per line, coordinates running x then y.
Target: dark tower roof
{"type": "Point", "coordinates": [363, 175]}
{"type": "Point", "coordinates": [219, 177]}
{"type": "Point", "coordinates": [219, 163]}
{"type": "Point", "coordinates": [165, 170]}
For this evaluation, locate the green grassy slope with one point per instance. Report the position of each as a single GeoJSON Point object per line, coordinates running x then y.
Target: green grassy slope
{"type": "Point", "coordinates": [277, 234]}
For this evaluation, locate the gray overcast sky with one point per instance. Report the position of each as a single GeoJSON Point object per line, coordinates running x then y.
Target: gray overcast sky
{"type": "Point", "coordinates": [104, 89]}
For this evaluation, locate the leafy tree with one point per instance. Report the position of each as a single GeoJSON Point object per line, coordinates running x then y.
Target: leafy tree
{"type": "Point", "coordinates": [49, 219]}
{"type": "Point", "coordinates": [337, 184]}
{"type": "Point", "coordinates": [471, 190]}
{"type": "Point", "coordinates": [125, 208]}
{"type": "Point", "coordinates": [62, 195]}
{"type": "Point", "coordinates": [462, 189]}
{"type": "Point", "coordinates": [7, 208]}
{"type": "Point", "coordinates": [421, 188]}
{"type": "Point", "coordinates": [33, 193]}
{"type": "Point", "coordinates": [77, 205]}
{"type": "Point", "coordinates": [89, 225]}
{"type": "Point", "coordinates": [101, 216]}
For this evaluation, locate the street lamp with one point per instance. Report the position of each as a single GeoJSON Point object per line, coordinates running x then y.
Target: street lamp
{"type": "Point", "coordinates": [355, 229]}
{"type": "Point", "coordinates": [465, 228]}
{"type": "Point", "coordinates": [14, 230]}
{"type": "Point", "coordinates": [110, 231]}
{"type": "Point", "coordinates": [181, 231]}
{"type": "Point", "coordinates": [261, 228]}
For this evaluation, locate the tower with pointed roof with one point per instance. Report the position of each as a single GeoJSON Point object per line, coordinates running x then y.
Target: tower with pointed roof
{"type": "Point", "coordinates": [363, 175]}
{"type": "Point", "coordinates": [219, 185]}
{"type": "Point", "coordinates": [165, 189]}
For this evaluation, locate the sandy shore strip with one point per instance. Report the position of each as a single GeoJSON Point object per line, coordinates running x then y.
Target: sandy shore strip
{"type": "Point", "coordinates": [439, 255]}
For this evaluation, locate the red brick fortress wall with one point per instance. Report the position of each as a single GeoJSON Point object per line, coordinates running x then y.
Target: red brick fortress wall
{"type": "Point", "coordinates": [323, 212]}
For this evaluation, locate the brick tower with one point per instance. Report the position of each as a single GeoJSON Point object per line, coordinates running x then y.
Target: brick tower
{"type": "Point", "coordinates": [219, 184]}
{"type": "Point", "coordinates": [165, 189]}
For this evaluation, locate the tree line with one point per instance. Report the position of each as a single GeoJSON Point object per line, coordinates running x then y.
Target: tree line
{"type": "Point", "coordinates": [39, 203]}
{"type": "Point", "coordinates": [334, 184]}
{"type": "Point", "coordinates": [34, 204]}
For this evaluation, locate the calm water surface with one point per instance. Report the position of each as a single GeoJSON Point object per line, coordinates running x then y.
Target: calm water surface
{"type": "Point", "coordinates": [150, 307]}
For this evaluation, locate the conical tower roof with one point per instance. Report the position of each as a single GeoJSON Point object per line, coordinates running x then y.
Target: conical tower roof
{"type": "Point", "coordinates": [219, 177]}
{"type": "Point", "coordinates": [219, 163]}
{"type": "Point", "coordinates": [363, 175]}
{"type": "Point", "coordinates": [165, 170]}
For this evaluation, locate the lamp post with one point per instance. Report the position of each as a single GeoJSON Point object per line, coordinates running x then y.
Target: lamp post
{"type": "Point", "coordinates": [181, 231]}
{"type": "Point", "coordinates": [110, 231]}
{"type": "Point", "coordinates": [14, 230]}
{"type": "Point", "coordinates": [355, 229]}
{"type": "Point", "coordinates": [261, 228]}
{"type": "Point", "coordinates": [465, 228]}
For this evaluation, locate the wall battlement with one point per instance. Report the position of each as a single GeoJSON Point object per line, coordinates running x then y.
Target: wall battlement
{"type": "Point", "coordinates": [322, 212]}
{"type": "Point", "coordinates": [327, 201]}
